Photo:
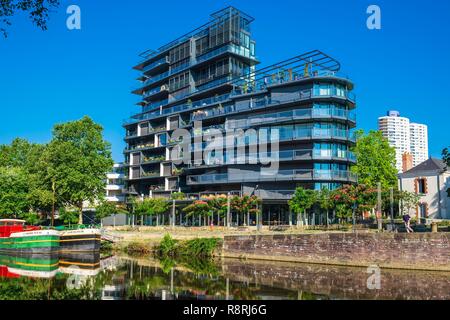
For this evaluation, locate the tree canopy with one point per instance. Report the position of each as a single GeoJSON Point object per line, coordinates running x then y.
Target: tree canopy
{"type": "Point", "coordinates": [76, 162]}
{"type": "Point", "coordinates": [66, 172]}
{"type": "Point", "coordinates": [375, 160]}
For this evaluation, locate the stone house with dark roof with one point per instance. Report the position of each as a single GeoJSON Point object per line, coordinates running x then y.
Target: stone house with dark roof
{"type": "Point", "coordinates": [430, 180]}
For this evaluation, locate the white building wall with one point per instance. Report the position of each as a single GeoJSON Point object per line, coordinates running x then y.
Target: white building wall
{"type": "Point", "coordinates": [432, 196]}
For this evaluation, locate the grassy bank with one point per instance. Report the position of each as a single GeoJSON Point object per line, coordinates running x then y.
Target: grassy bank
{"type": "Point", "coordinates": [170, 247]}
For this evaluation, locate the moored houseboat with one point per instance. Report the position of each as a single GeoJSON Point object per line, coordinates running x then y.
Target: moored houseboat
{"type": "Point", "coordinates": [16, 238]}
{"type": "Point", "coordinates": [80, 240]}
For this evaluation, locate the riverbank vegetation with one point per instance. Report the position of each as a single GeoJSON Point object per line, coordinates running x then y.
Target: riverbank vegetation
{"type": "Point", "coordinates": [200, 247]}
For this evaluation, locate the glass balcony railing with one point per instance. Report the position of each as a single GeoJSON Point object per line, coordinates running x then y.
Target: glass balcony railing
{"type": "Point", "coordinates": [156, 78]}
{"type": "Point", "coordinates": [253, 104]}
{"type": "Point", "coordinates": [155, 91]}
{"type": "Point", "coordinates": [260, 103]}
{"type": "Point", "coordinates": [290, 134]}
{"type": "Point", "coordinates": [232, 48]}
{"type": "Point", "coordinates": [178, 108]}
{"type": "Point", "coordinates": [153, 105]}
{"type": "Point", "coordinates": [290, 115]}
{"type": "Point", "coordinates": [229, 48]}
{"type": "Point", "coordinates": [276, 175]}
{"type": "Point", "coordinates": [285, 155]}
{"type": "Point", "coordinates": [155, 64]}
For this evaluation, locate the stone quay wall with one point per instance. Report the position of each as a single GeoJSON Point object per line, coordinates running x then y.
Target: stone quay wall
{"type": "Point", "coordinates": [419, 251]}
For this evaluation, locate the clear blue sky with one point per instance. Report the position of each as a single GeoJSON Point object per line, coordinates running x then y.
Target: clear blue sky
{"type": "Point", "coordinates": [61, 75]}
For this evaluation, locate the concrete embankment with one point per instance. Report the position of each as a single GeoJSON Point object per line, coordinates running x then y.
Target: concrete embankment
{"type": "Point", "coordinates": [418, 251]}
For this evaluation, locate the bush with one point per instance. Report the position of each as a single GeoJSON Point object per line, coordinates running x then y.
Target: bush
{"type": "Point", "coordinates": [137, 248]}
{"type": "Point", "coordinates": [167, 247]}
{"type": "Point", "coordinates": [445, 223]}
{"type": "Point", "coordinates": [201, 247]}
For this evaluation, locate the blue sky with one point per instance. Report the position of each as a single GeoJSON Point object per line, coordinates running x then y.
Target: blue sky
{"type": "Point", "coordinates": [61, 75]}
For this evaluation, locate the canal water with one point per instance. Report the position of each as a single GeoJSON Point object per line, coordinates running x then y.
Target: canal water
{"type": "Point", "coordinates": [122, 277]}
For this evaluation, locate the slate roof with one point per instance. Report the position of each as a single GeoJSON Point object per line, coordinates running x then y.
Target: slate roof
{"type": "Point", "coordinates": [431, 165]}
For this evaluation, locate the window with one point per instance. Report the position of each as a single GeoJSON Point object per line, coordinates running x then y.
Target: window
{"type": "Point", "coordinates": [421, 186]}
{"type": "Point", "coordinates": [423, 210]}
{"type": "Point", "coordinates": [179, 81]}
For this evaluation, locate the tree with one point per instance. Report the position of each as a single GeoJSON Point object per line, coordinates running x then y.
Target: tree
{"type": "Point", "coordinates": [38, 12]}
{"type": "Point", "coordinates": [76, 162]}
{"type": "Point", "coordinates": [151, 207]}
{"type": "Point", "coordinates": [104, 210]}
{"type": "Point", "coordinates": [408, 200]}
{"type": "Point", "coordinates": [178, 196]}
{"type": "Point", "coordinates": [14, 188]}
{"type": "Point", "coordinates": [198, 208]}
{"type": "Point", "coordinates": [301, 201]}
{"type": "Point", "coordinates": [325, 201]}
{"type": "Point", "coordinates": [375, 160]}
{"type": "Point", "coordinates": [25, 155]}
{"type": "Point", "coordinates": [446, 157]}
{"type": "Point", "coordinates": [68, 216]}
{"type": "Point", "coordinates": [219, 206]}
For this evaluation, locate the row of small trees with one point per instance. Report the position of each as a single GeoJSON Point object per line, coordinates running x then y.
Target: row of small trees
{"type": "Point", "coordinates": [349, 199]}
{"type": "Point", "coordinates": [200, 212]}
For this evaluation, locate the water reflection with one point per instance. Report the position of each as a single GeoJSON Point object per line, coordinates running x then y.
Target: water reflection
{"type": "Point", "coordinates": [113, 278]}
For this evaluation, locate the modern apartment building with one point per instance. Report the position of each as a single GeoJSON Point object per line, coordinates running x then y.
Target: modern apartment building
{"type": "Point", "coordinates": [115, 184]}
{"type": "Point", "coordinates": [419, 143]}
{"type": "Point", "coordinates": [405, 137]}
{"type": "Point", "coordinates": [206, 83]}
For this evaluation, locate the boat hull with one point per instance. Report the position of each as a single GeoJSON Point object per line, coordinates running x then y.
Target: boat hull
{"type": "Point", "coordinates": [31, 242]}
{"type": "Point", "coordinates": [81, 240]}
{"type": "Point", "coordinates": [30, 265]}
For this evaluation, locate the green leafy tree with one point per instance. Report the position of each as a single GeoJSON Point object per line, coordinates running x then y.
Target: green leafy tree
{"type": "Point", "coordinates": [151, 207]}
{"type": "Point", "coordinates": [32, 218]}
{"type": "Point", "coordinates": [178, 196]}
{"type": "Point", "coordinates": [17, 154]}
{"type": "Point", "coordinates": [375, 160]}
{"type": "Point", "coordinates": [325, 201]}
{"type": "Point", "coordinates": [105, 209]}
{"type": "Point", "coordinates": [302, 201]}
{"type": "Point", "coordinates": [219, 206]}
{"type": "Point", "coordinates": [14, 187]}
{"type": "Point", "coordinates": [408, 201]}
{"type": "Point", "coordinates": [38, 12]}
{"type": "Point", "coordinates": [198, 208]}
{"type": "Point", "coordinates": [68, 217]}
{"type": "Point", "coordinates": [446, 157]}
{"type": "Point", "coordinates": [76, 162]}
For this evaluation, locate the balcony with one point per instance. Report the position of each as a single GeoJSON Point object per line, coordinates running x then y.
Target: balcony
{"type": "Point", "coordinates": [253, 104]}
{"type": "Point", "coordinates": [232, 48]}
{"type": "Point", "coordinates": [115, 187]}
{"type": "Point", "coordinates": [261, 103]}
{"type": "Point", "coordinates": [280, 175]}
{"type": "Point", "coordinates": [291, 115]}
{"type": "Point", "coordinates": [161, 62]}
{"type": "Point", "coordinates": [155, 91]}
{"type": "Point", "coordinates": [153, 105]}
{"type": "Point", "coordinates": [177, 108]}
{"type": "Point", "coordinates": [285, 155]}
{"type": "Point", "coordinates": [120, 198]}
